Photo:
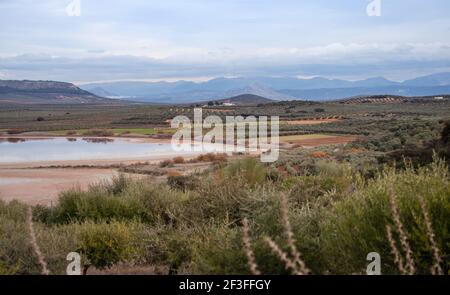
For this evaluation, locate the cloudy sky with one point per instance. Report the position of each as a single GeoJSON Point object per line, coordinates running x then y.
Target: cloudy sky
{"type": "Point", "coordinates": [201, 39]}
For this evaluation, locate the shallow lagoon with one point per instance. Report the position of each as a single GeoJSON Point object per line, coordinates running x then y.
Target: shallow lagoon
{"type": "Point", "coordinates": [19, 150]}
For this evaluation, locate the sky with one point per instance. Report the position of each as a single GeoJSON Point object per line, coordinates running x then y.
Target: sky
{"type": "Point", "coordinates": [197, 40]}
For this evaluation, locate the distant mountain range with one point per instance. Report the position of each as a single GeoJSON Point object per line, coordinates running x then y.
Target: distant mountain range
{"type": "Point", "coordinates": [282, 88]}
{"type": "Point", "coordinates": [256, 89]}
{"type": "Point", "coordinates": [47, 92]}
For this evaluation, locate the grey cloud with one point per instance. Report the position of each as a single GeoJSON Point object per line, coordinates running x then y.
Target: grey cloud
{"type": "Point", "coordinates": [130, 67]}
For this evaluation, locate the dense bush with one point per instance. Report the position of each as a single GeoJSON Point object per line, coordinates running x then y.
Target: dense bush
{"type": "Point", "coordinates": [77, 206]}
{"type": "Point", "coordinates": [357, 225]}
{"type": "Point", "coordinates": [182, 182]}
{"type": "Point", "coordinates": [422, 154]}
{"type": "Point", "coordinates": [139, 201]}
{"type": "Point", "coordinates": [105, 244]}
{"type": "Point", "coordinates": [250, 170]}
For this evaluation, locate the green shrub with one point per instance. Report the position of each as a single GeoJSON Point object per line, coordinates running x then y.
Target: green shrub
{"type": "Point", "coordinates": [118, 184]}
{"type": "Point", "coordinates": [249, 170]}
{"type": "Point", "coordinates": [226, 200]}
{"type": "Point", "coordinates": [330, 179]}
{"type": "Point", "coordinates": [357, 224]}
{"type": "Point", "coordinates": [273, 174]}
{"type": "Point", "coordinates": [159, 204]}
{"type": "Point", "coordinates": [182, 182]}
{"type": "Point", "coordinates": [105, 244]}
{"type": "Point", "coordinates": [219, 251]}
{"type": "Point", "coordinates": [77, 206]}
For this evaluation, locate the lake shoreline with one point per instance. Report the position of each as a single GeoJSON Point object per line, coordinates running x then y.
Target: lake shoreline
{"type": "Point", "coordinates": [43, 186]}
{"type": "Point", "coordinates": [41, 182]}
{"type": "Point", "coordinates": [144, 139]}
{"type": "Point", "coordinates": [102, 161]}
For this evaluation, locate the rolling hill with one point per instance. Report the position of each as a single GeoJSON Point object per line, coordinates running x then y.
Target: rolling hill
{"type": "Point", "coordinates": [387, 99]}
{"type": "Point", "coordinates": [47, 92]}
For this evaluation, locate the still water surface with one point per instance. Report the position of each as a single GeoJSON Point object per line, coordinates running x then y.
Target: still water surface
{"type": "Point", "coordinates": [17, 150]}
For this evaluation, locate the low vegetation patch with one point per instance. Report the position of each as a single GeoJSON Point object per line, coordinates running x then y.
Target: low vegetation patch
{"type": "Point", "coordinates": [194, 224]}
{"type": "Point", "coordinates": [100, 133]}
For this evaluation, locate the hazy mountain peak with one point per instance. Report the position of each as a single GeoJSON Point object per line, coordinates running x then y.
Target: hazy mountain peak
{"type": "Point", "coordinates": [317, 88]}
{"type": "Point", "coordinates": [438, 79]}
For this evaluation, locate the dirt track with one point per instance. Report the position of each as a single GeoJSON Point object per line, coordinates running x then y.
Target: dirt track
{"type": "Point", "coordinates": [317, 140]}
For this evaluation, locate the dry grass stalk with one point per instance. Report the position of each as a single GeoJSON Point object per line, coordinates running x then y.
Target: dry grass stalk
{"type": "Point", "coordinates": [436, 267]}
{"type": "Point", "coordinates": [296, 265]}
{"type": "Point", "coordinates": [248, 248]}
{"type": "Point", "coordinates": [34, 244]}
{"type": "Point", "coordinates": [289, 264]}
{"type": "Point", "coordinates": [290, 236]}
{"type": "Point", "coordinates": [397, 256]}
{"type": "Point", "coordinates": [403, 237]}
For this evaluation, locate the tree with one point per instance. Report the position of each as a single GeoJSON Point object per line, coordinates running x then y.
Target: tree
{"type": "Point", "coordinates": [104, 245]}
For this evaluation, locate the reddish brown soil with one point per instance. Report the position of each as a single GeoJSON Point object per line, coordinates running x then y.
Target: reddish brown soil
{"type": "Point", "coordinates": [313, 142]}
